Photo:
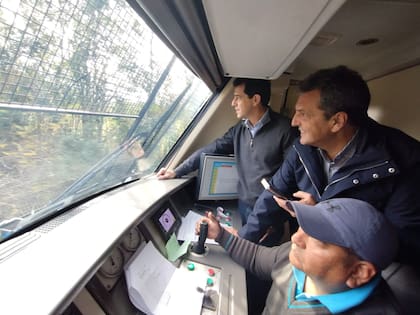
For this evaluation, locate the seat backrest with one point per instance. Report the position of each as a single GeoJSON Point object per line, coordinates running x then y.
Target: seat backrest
{"type": "Point", "coordinates": [404, 281]}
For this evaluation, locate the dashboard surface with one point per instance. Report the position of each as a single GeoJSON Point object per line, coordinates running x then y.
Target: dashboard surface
{"type": "Point", "coordinates": [78, 260]}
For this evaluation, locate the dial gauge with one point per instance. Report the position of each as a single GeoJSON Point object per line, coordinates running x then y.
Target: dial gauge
{"type": "Point", "coordinates": [114, 264]}
{"type": "Point", "coordinates": [131, 241]}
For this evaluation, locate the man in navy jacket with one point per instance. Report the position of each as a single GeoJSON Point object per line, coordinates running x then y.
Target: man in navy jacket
{"type": "Point", "coordinates": [343, 153]}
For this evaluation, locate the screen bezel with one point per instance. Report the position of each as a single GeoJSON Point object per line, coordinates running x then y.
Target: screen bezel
{"type": "Point", "coordinates": [175, 226]}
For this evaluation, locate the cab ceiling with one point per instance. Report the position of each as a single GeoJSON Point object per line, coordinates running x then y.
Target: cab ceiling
{"type": "Point", "coordinates": [242, 32]}
{"type": "Point", "coordinates": [263, 39]}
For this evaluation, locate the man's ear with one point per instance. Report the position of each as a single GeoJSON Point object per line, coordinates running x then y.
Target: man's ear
{"type": "Point", "coordinates": [339, 120]}
{"type": "Point", "coordinates": [256, 99]}
{"type": "Point", "coordinates": [362, 272]}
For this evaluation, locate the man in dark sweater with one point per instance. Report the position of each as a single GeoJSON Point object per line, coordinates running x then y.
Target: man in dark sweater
{"type": "Point", "coordinates": [258, 141]}
{"type": "Point", "coordinates": [332, 264]}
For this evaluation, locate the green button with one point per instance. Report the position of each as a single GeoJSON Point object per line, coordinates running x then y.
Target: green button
{"type": "Point", "coordinates": [210, 281]}
{"type": "Point", "coordinates": [191, 266]}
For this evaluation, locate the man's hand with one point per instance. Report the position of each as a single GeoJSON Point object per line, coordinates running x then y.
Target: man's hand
{"type": "Point", "coordinates": [165, 173]}
{"type": "Point", "coordinates": [304, 197]}
{"type": "Point", "coordinates": [283, 204]}
{"type": "Point", "coordinates": [214, 227]}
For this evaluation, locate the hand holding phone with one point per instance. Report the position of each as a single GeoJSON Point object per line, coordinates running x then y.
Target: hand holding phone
{"type": "Point", "coordinates": [267, 186]}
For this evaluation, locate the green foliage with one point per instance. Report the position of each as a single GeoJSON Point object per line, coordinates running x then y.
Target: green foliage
{"type": "Point", "coordinates": [92, 58]}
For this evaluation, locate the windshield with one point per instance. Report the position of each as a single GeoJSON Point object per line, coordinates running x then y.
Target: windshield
{"type": "Point", "coordinates": [89, 98]}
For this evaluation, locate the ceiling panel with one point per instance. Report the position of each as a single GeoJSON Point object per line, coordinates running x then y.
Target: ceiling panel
{"type": "Point", "coordinates": [240, 31]}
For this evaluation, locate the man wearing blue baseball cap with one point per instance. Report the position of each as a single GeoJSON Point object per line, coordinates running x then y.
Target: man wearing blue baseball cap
{"type": "Point", "coordinates": [331, 265]}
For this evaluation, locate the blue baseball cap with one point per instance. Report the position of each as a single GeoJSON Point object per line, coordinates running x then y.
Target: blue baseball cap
{"type": "Point", "coordinates": [350, 223]}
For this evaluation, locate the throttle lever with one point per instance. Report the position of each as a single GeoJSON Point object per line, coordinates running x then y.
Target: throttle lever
{"type": "Point", "coordinates": [199, 247]}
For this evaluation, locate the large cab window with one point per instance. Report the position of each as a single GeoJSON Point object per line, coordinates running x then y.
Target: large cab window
{"type": "Point", "coordinates": [89, 98]}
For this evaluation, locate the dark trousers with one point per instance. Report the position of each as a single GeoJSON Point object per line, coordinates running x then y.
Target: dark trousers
{"type": "Point", "coordinates": [257, 292]}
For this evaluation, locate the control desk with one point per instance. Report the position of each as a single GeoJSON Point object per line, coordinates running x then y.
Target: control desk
{"type": "Point", "coordinates": [223, 286]}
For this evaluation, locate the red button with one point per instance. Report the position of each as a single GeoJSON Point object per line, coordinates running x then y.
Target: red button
{"type": "Point", "coordinates": [211, 272]}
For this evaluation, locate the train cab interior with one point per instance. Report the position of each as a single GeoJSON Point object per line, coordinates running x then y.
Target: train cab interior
{"type": "Point", "coordinates": [100, 227]}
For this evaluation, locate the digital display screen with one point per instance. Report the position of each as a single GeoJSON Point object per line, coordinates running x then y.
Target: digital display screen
{"type": "Point", "coordinates": [167, 220]}
{"type": "Point", "coordinates": [218, 178]}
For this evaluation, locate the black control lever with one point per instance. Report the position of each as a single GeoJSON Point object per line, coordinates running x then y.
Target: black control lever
{"type": "Point", "coordinates": [199, 248]}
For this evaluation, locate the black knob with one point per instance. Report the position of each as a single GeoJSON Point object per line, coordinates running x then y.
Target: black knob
{"type": "Point", "coordinates": [199, 246]}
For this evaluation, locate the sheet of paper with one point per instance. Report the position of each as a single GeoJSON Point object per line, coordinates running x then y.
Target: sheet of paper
{"type": "Point", "coordinates": [174, 250]}
{"type": "Point", "coordinates": [181, 295]}
{"type": "Point", "coordinates": [148, 267]}
{"type": "Point", "coordinates": [156, 287]}
{"type": "Point", "coordinates": [187, 228]}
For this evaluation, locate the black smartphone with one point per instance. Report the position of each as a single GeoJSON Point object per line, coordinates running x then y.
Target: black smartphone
{"type": "Point", "coordinates": [267, 186]}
